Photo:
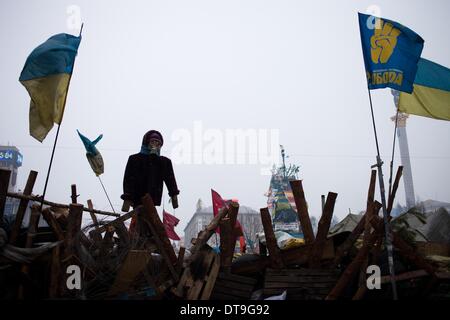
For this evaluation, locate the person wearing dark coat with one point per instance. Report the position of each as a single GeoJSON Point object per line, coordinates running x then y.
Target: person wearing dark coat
{"type": "Point", "coordinates": [146, 172]}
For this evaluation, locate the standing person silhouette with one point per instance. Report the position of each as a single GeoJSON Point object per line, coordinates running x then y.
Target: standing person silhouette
{"type": "Point", "coordinates": [146, 172]}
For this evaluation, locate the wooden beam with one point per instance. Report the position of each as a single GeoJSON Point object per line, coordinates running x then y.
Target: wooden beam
{"type": "Point", "coordinates": [367, 226]}
{"type": "Point", "coordinates": [4, 183]}
{"type": "Point", "coordinates": [151, 215]}
{"type": "Point", "coordinates": [57, 205]}
{"type": "Point", "coordinates": [353, 267]}
{"type": "Point", "coordinates": [54, 225]}
{"type": "Point", "coordinates": [31, 233]}
{"type": "Point", "coordinates": [73, 229]}
{"type": "Point", "coordinates": [204, 235]}
{"type": "Point", "coordinates": [345, 247]}
{"type": "Point", "coordinates": [74, 194]}
{"type": "Point", "coordinates": [55, 274]}
{"type": "Point", "coordinates": [271, 241]}
{"type": "Point", "coordinates": [135, 263]}
{"type": "Point", "coordinates": [302, 210]}
{"type": "Point", "coordinates": [226, 239]}
{"type": "Point", "coordinates": [322, 231]}
{"type": "Point", "coordinates": [394, 189]}
{"type": "Point", "coordinates": [96, 236]}
{"type": "Point", "coordinates": [23, 205]}
{"type": "Point", "coordinates": [211, 279]}
{"type": "Point", "coordinates": [122, 218]}
{"type": "Point", "coordinates": [92, 214]}
{"type": "Point", "coordinates": [180, 260]}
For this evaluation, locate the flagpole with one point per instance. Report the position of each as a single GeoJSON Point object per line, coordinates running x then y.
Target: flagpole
{"type": "Point", "coordinates": [57, 132]}
{"type": "Point", "coordinates": [387, 228]}
{"type": "Point", "coordinates": [106, 194]}
{"type": "Point", "coordinates": [393, 152]}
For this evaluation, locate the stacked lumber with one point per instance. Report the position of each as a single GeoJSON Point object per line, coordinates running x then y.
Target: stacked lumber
{"type": "Point", "coordinates": [117, 263]}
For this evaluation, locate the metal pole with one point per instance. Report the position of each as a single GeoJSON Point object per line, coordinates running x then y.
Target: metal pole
{"type": "Point", "coordinates": [387, 227]}
{"type": "Point", "coordinates": [393, 152]}
{"type": "Point", "coordinates": [106, 194]}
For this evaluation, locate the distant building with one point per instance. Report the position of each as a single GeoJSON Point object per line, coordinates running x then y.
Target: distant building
{"type": "Point", "coordinates": [249, 218]}
{"type": "Point", "coordinates": [11, 159]}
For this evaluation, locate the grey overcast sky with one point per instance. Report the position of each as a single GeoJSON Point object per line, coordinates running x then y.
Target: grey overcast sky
{"type": "Point", "coordinates": [295, 66]}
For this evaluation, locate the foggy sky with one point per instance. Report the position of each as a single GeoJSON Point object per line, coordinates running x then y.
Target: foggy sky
{"type": "Point", "coordinates": [295, 66]}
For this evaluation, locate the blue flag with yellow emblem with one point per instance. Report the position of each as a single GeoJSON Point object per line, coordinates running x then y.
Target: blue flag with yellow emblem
{"type": "Point", "coordinates": [391, 52]}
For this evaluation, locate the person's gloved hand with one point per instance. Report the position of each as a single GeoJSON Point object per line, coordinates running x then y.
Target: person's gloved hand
{"type": "Point", "coordinates": [174, 202]}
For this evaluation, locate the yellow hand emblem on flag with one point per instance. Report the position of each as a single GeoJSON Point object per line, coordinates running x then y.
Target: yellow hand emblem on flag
{"type": "Point", "coordinates": [383, 42]}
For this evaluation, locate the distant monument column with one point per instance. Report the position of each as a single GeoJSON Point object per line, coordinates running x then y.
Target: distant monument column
{"type": "Point", "coordinates": [406, 163]}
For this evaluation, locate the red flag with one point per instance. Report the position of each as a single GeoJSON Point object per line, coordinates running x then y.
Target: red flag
{"type": "Point", "coordinates": [170, 222]}
{"type": "Point", "coordinates": [219, 203]}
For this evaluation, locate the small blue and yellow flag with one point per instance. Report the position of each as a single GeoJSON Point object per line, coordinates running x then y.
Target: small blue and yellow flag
{"type": "Point", "coordinates": [391, 52]}
{"type": "Point", "coordinates": [94, 157]}
{"type": "Point", "coordinates": [46, 77]}
{"type": "Point", "coordinates": [431, 95]}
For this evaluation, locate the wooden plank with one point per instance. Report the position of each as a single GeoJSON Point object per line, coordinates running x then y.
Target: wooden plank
{"type": "Point", "coordinates": [23, 205]}
{"type": "Point", "coordinates": [299, 255]}
{"type": "Point", "coordinates": [302, 210]}
{"type": "Point", "coordinates": [271, 241]}
{"type": "Point", "coordinates": [238, 279]}
{"type": "Point", "coordinates": [271, 285]}
{"type": "Point", "coordinates": [344, 248]}
{"type": "Point", "coordinates": [367, 226]}
{"type": "Point", "coordinates": [212, 277]}
{"type": "Point", "coordinates": [226, 251]}
{"type": "Point", "coordinates": [245, 289]}
{"type": "Point", "coordinates": [224, 296]}
{"type": "Point", "coordinates": [244, 295]}
{"type": "Point", "coordinates": [31, 233]}
{"type": "Point", "coordinates": [56, 205]}
{"type": "Point", "coordinates": [55, 273]}
{"type": "Point", "coordinates": [54, 225]}
{"type": "Point", "coordinates": [394, 189]}
{"type": "Point", "coordinates": [405, 276]}
{"type": "Point", "coordinates": [73, 229]}
{"type": "Point", "coordinates": [195, 290]}
{"type": "Point", "coordinates": [180, 260]}
{"type": "Point", "coordinates": [301, 279]}
{"type": "Point", "coordinates": [96, 236]}
{"type": "Point", "coordinates": [74, 194]}
{"type": "Point", "coordinates": [122, 218]}
{"type": "Point", "coordinates": [303, 272]}
{"type": "Point", "coordinates": [352, 268]}
{"type": "Point", "coordinates": [151, 215]}
{"type": "Point", "coordinates": [4, 183]}
{"type": "Point", "coordinates": [204, 235]}
{"type": "Point", "coordinates": [123, 234]}
{"type": "Point", "coordinates": [316, 253]}
{"type": "Point", "coordinates": [135, 263]}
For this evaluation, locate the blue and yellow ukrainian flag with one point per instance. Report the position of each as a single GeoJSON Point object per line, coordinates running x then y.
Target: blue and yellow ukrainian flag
{"type": "Point", "coordinates": [431, 95]}
{"type": "Point", "coordinates": [46, 76]}
{"type": "Point", "coordinates": [391, 52]}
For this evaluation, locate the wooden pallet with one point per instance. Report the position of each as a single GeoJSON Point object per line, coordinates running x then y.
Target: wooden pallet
{"type": "Point", "coordinates": [233, 287]}
{"type": "Point", "coordinates": [301, 284]}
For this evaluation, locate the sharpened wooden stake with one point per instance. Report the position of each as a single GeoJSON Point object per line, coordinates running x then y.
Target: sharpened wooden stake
{"type": "Point", "coordinates": [22, 207]}
{"type": "Point", "coordinates": [271, 241]}
{"type": "Point", "coordinates": [322, 231]}
{"type": "Point", "coordinates": [302, 210]}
